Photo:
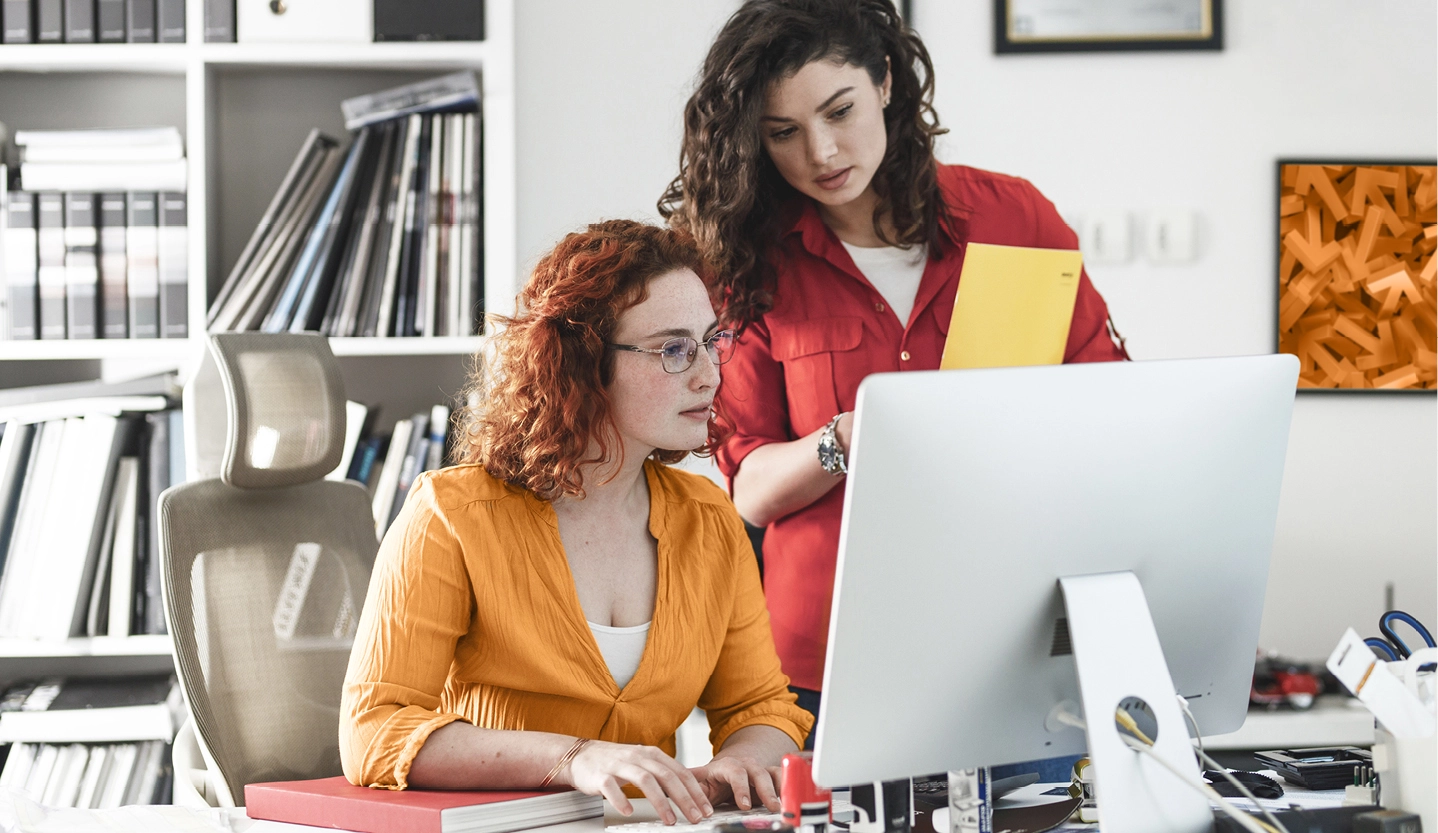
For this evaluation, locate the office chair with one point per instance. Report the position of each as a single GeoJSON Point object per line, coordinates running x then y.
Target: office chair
{"type": "Point", "coordinates": [265, 566]}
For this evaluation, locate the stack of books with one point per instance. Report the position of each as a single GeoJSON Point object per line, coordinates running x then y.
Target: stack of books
{"type": "Point", "coordinates": [79, 481]}
{"type": "Point", "coordinates": [95, 236]}
{"type": "Point", "coordinates": [91, 742]}
{"type": "Point", "coordinates": [334, 802]}
{"type": "Point", "coordinates": [92, 21]}
{"type": "Point", "coordinates": [388, 464]}
{"type": "Point", "coordinates": [380, 238]}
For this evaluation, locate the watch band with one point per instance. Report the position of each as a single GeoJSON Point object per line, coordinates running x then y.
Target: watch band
{"type": "Point", "coordinates": [831, 456]}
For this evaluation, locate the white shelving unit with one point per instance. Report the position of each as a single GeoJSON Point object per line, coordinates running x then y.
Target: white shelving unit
{"type": "Point", "coordinates": [244, 110]}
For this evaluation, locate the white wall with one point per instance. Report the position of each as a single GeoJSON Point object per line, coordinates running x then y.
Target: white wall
{"type": "Point", "coordinates": [601, 86]}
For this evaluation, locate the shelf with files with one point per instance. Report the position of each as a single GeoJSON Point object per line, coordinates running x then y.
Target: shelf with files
{"type": "Point", "coordinates": [243, 110]}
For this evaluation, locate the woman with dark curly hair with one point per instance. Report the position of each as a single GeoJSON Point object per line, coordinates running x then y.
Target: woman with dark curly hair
{"type": "Point", "coordinates": [551, 610]}
{"type": "Point", "coordinates": [808, 179]}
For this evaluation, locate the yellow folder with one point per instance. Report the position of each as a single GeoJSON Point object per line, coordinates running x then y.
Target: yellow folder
{"type": "Point", "coordinates": [1013, 308]}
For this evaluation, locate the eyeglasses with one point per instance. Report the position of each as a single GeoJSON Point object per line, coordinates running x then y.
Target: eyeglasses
{"type": "Point", "coordinates": [677, 354]}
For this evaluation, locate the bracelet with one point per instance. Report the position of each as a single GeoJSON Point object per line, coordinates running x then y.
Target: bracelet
{"type": "Point", "coordinates": [564, 761]}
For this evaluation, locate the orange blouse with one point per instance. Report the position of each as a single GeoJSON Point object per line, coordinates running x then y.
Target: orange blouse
{"type": "Point", "coordinates": [472, 615]}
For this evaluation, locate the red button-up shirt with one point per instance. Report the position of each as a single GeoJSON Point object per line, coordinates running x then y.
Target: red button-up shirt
{"type": "Point", "coordinates": [803, 361]}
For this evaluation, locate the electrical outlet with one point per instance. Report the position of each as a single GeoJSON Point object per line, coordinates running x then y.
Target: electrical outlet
{"type": "Point", "coordinates": [1172, 236]}
{"type": "Point", "coordinates": [1106, 237]}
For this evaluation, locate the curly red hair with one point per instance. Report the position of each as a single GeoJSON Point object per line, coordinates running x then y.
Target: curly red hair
{"type": "Point", "coordinates": [538, 407]}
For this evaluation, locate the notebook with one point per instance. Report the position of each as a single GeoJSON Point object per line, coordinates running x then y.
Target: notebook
{"type": "Point", "coordinates": [1013, 307]}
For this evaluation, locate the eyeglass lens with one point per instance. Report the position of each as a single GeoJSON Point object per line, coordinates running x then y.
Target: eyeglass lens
{"type": "Point", "coordinates": [678, 354]}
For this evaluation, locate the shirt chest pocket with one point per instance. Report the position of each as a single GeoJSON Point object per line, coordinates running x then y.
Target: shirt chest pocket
{"type": "Point", "coordinates": [806, 349]}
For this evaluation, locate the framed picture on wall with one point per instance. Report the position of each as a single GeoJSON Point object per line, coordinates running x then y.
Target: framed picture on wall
{"type": "Point", "coordinates": [1022, 26]}
{"type": "Point", "coordinates": [1356, 284]}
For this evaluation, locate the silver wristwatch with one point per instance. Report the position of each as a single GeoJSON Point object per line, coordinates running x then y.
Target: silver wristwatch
{"type": "Point", "coordinates": [831, 456]}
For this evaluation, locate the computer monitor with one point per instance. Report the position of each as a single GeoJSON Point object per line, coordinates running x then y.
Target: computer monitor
{"type": "Point", "coordinates": [972, 493]}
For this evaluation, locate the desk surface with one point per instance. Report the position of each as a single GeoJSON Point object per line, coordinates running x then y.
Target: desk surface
{"type": "Point", "coordinates": [1032, 794]}
{"type": "Point", "coordinates": [1335, 720]}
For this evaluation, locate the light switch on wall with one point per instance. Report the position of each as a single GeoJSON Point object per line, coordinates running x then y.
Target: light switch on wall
{"type": "Point", "coordinates": [1172, 235]}
{"type": "Point", "coordinates": [1106, 237]}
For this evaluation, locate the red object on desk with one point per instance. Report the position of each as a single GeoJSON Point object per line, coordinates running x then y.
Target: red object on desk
{"type": "Point", "coordinates": [338, 804]}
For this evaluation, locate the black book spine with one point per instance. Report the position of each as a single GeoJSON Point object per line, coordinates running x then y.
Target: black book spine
{"type": "Point", "coordinates": [413, 261]}
{"type": "Point", "coordinates": [219, 21]}
{"type": "Point", "coordinates": [140, 21]}
{"type": "Point", "coordinates": [50, 276]}
{"type": "Point", "coordinates": [174, 266]}
{"type": "Point", "coordinates": [20, 266]}
{"type": "Point", "coordinates": [82, 274]}
{"type": "Point", "coordinates": [18, 21]}
{"type": "Point", "coordinates": [170, 21]}
{"type": "Point", "coordinates": [79, 21]}
{"type": "Point", "coordinates": [110, 21]}
{"type": "Point", "coordinates": [49, 21]}
{"type": "Point", "coordinates": [114, 317]}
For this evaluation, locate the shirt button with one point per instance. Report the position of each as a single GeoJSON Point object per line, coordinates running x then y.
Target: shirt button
{"type": "Point", "coordinates": [904, 355]}
{"type": "Point", "coordinates": [878, 307]}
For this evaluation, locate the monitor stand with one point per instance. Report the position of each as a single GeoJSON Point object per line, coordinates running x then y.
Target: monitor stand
{"type": "Point", "coordinates": [1121, 666]}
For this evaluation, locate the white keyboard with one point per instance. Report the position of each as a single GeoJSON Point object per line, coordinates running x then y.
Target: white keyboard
{"type": "Point", "coordinates": [759, 818]}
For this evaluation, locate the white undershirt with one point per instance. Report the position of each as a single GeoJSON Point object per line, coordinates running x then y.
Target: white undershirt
{"type": "Point", "coordinates": [894, 272]}
{"type": "Point", "coordinates": [622, 648]}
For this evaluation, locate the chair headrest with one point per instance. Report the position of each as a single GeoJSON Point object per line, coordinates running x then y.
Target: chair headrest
{"type": "Point", "coordinates": [281, 401]}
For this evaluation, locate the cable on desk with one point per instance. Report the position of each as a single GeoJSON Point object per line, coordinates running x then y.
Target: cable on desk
{"type": "Point", "coordinates": [1223, 770]}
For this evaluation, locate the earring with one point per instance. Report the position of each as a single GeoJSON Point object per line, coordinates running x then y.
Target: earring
{"type": "Point", "coordinates": [886, 101]}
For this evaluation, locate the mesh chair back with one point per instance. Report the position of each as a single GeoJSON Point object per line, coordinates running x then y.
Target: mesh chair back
{"type": "Point", "coordinates": [285, 403]}
{"type": "Point", "coordinates": [263, 585]}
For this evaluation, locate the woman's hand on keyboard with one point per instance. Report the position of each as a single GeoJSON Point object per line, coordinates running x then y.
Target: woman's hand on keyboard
{"type": "Point", "coordinates": [741, 778]}
{"type": "Point", "coordinates": [601, 768]}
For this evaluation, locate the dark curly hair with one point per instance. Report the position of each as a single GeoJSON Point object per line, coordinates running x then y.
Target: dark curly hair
{"type": "Point", "coordinates": [728, 194]}
{"type": "Point", "coordinates": [537, 400]}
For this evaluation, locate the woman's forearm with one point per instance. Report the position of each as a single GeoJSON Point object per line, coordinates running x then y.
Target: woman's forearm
{"type": "Point", "coordinates": [777, 479]}
{"type": "Point", "coordinates": [461, 756]}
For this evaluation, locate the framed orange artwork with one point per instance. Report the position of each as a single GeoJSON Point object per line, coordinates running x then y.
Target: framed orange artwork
{"type": "Point", "coordinates": [1356, 284]}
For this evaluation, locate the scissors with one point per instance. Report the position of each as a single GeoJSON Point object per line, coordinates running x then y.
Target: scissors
{"type": "Point", "coordinates": [1390, 644]}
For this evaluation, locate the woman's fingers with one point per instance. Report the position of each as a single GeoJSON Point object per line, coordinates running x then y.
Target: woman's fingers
{"type": "Point", "coordinates": [696, 790]}
{"type": "Point", "coordinates": [614, 794]}
{"type": "Point", "coordinates": [679, 792]}
{"type": "Point", "coordinates": [764, 785]}
{"type": "Point", "coordinates": [738, 779]}
{"type": "Point", "coordinates": [649, 785]}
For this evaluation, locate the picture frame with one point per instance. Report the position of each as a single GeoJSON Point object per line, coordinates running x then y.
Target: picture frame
{"type": "Point", "coordinates": [1046, 26]}
{"type": "Point", "coordinates": [1355, 305]}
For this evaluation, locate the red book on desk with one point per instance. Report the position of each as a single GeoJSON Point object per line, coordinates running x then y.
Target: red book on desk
{"type": "Point", "coordinates": [336, 803]}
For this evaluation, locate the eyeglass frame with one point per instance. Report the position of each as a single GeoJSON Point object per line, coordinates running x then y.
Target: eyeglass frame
{"type": "Point", "coordinates": [708, 345]}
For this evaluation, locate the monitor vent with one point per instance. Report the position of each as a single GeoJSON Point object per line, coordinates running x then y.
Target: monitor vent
{"type": "Point", "coordinates": [1062, 645]}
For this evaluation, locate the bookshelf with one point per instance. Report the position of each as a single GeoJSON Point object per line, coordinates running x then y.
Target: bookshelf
{"type": "Point", "coordinates": [244, 110]}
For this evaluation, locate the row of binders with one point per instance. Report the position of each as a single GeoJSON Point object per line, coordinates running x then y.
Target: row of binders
{"type": "Point", "coordinates": [380, 238]}
{"type": "Point", "coordinates": [95, 235]}
{"type": "Point", "coordinates": [79, 548]}
{"type": "Point", "coordinates": [93, 21]}
{"type": "Point", "coordinates": [90, 775]}
{"type": "Point", "coordinates": [84, 265]}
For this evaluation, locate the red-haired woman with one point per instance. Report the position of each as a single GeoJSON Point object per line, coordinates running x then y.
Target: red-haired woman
{"type": "Point", "coordinates": [807, 174]}
{"type": "Point", "coordinates": [551, 610]}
